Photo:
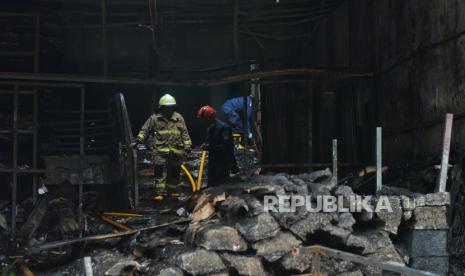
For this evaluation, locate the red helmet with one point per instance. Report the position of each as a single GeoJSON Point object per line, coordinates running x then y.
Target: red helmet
{"type": "Point", "coordinates": [206, 111]}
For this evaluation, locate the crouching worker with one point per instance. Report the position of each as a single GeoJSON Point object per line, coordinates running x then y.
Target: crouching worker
{"type": "Point", "coordinates": [233, 110]}
{"type": "Point", "coordinates": [220, 146]}
{"type": "Point", "coordinates": [171, 142]}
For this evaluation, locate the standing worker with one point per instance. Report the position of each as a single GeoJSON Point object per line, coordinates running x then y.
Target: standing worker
{"type": "Point", "coordinates": [171, 142]}
{"type": "Point", "coordinates": [220, 146]}
{"type": "Point", "coordinates": [233, 110]}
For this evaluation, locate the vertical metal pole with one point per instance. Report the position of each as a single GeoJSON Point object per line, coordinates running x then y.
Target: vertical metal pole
{"type": "Point", "coordinates": [88, 266]}
{"type": "Point", "coordinates": [34, 144]}
{"type": "Point", "coordinates": [132, 152]}
{"type": "Point", "coordinates": [135, 177]}
{"type": "Point", "coordinates": [236, 58]}
{"type": "Point", "coordinates": [255, 102]}
{"type": "Point", "coordinates": [379, 150]}
{"type": "Point", "coordinates": [254, 95]}
{"type": "Point", "coordinates": [441, 187]}
{"type": "Point", "coordinates": [104, 37]}
{"type": "Point", "coordinates": [81, 150]}
{"type": "Point", "coordinates": [246, 122]}
{"type": "Point", "coordinates": [37, 44]}
{"type": "Point", "coordinates": [15, 161]}
{"type": "Point", "coordinates": [335, 159]}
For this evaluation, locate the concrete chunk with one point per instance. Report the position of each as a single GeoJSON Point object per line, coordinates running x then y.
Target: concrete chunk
{"type": "Point", "coordinates": [337, 232]}
{"type": "Point", "coordinates": [346, 221]}
{"type": "Point", "coordinates": [319, 189]}
{"type": "Point", "coordinates": [370, 241]}
{"type": "Point", "coordinates": [391, 220]}
{"type": "Point", "coordinates": [315, 176]}
{"type": "Point", "coordinates": [171, 271]}
{"type": "Point", "coordinates": [346, 193]}
{"type": "Point", "coordinates": [298, 263]}
{"type": "Point", "coordinates": [433, 199]}
{"type": "Point", "coordinates": [220, 237]}
{"type": "Point", "coordinates": [430, 217]}
{"type": "Point", "coordinates": [250, 266]}
{"type": "Point", "coordinates": [276, 247]}
{"type": "Point", "coordinates": [311, 223]}
{"type": "Point", "coordinates": [408, 204]}
{"type": "Point", "coordinates": [201, 262]}
{"type": "Point", "coordinates": [255, 205]}
{"type": "Point", "coordinates": [437, 199]}
{"type": "Point", "coordinates": [286, 220]}
{"type": "Point", "coordinates": [258, 228]}
{"type": "Point", "coordinates": [343, 190]}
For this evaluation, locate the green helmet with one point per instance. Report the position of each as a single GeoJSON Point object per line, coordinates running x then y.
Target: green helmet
{"type": "Point", "coordinates": [167, 100]}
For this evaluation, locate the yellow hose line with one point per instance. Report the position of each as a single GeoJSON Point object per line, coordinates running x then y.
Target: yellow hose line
{"type": "Point", "coordinates": [22, 266]}
{"type": "Point", "coordinates": [202, 163]}
{"type": "Point", "coordinates": [121, 214]}
{"type": "Point", "coordinates": [189, 176]}
{"type": "Point", "coordinates": [114, 223]}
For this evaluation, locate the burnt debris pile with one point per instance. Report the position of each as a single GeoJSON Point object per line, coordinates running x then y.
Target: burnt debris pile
{"type": "Point", "coordinates": [254, 225]}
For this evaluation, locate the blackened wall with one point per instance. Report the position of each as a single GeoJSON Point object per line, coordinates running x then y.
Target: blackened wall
{"type": "Point", "coordinates": [416, 51]}
{"type": "Point", "coordinates": [420, 60]}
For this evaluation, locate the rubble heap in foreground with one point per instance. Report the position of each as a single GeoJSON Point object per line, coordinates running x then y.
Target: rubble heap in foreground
{"type": "Point", "coordinates": [230, 233]}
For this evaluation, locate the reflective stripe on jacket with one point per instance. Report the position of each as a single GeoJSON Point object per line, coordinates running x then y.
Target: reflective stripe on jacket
{"type": "Point", "coordinates": [169, 135]}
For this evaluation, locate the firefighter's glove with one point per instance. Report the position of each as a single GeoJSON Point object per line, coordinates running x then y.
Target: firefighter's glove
{"type": "Point", "coordinates": [134, 143]}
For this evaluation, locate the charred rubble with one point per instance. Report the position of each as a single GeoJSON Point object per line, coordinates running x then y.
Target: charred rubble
{"type": "Point", "coordinates": [225, 230]}
{"type": "Point", "coordinates": [332, 84]}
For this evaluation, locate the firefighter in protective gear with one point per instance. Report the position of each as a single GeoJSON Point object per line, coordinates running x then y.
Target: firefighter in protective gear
{"type": "Point", "coordinates": [220, 146]}
{"type": "Point", "coordinates": [233, 110]}
{"type": "Point", "coordinates": [171, 142]}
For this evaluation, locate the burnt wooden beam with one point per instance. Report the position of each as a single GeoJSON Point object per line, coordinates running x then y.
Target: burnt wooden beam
{"type": "Point", "coordinates": [81, 150]}
{"type": "Point", "coordinates": [34, 219]}
{"type": "Point", "coordinates": [314, 74]}
{"type": "Point", "coordinates": [88, 239]}
{"type": "Point", "coordinates": [35, 143]}
{"type": "Point", "coordinates": [14, 183]}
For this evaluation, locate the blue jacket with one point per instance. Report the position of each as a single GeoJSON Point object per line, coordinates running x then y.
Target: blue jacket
{"type": "Point", "coordinates": [233, 112]}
